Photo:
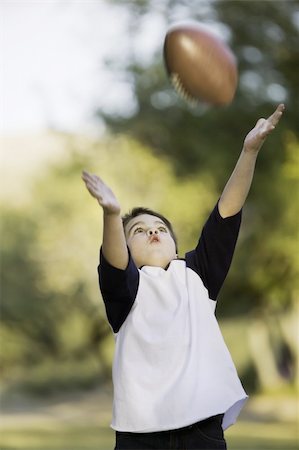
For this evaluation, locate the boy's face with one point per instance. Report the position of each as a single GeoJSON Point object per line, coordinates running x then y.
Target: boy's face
{"type": "Point", "coordinates": [150, 241]}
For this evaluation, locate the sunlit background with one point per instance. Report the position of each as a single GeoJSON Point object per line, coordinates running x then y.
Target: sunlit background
{"type": "Point", "coordinates": [83, 85]}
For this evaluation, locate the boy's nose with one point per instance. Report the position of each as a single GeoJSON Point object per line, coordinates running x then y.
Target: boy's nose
{"type": "Point", "coordinates": [152, 231]}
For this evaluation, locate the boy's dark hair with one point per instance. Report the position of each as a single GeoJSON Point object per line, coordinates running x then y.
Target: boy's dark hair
{"type": "Point", "coordinates": [139, 210]}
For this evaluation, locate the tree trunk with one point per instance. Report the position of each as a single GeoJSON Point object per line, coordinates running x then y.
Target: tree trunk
{"type": "Point", "coordinates": [263, 356]}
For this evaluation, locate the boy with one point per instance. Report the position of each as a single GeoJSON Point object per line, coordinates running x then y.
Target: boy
{"type": "Point", "coordinates": [175, 385]}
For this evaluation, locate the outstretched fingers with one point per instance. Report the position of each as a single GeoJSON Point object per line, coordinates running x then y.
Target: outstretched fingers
{"type": "Point", "coordinates": [92, 183]}
{"type": "Point", "coordinates": [268, 125]}
{"type": "Point", "coordinates": [276, 116]}
{"type": "Point", "coordinates": [98, 189]}
{"type": "Point", "coordinates": [89, 177]}
{"type": "Point", "coordinates": [256, 137]}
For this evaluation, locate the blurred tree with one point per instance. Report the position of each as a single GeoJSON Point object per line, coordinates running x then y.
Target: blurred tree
{"type": "Point", "coordinates": [205, 140]}
{"type": "Point", "coordinates": [51, 308]}
{"type": "Point", "coordinates": [50, 252]}
{"type": "Point", "coordinates": [42, 323]}
{"type": "Point", "coordinates": [19, 281]}
{"type": "Point", "coordinates": [51, 313]}
{"type": "Point", "coordinates": [264, 37]}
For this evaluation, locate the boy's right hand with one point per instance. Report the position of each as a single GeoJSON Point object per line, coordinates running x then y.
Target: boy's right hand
{"type": "Point", "coordinates": [99, 190]}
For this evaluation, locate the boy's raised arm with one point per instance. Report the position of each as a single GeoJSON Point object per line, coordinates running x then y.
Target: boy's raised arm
{"type": "Point", "coordinates": [114, 241]}
{"type": "Point", "coordinates": [237, 187]}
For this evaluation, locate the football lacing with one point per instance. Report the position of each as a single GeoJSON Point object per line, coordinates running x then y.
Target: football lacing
{"type": "Point", "coordinates": [181, 90]}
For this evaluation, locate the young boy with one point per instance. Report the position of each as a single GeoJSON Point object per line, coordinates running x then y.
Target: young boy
{"type": "Point", "coordinates": [175, 385]}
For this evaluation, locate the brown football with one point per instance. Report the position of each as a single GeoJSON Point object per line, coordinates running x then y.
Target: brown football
{"type": "Point", "coordinates": [200, 65]}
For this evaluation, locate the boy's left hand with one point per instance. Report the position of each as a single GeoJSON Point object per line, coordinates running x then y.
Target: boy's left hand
{"type": "Point", "coordinates": [256, 137]}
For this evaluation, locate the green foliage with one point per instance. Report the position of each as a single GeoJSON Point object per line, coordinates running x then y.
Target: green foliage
{"type": "Point", "coordinates": [52, 313]}
{"type": "Point", "coordinates": [265, 272]}
{"type": "Point", "coordinates": [169, 157]}
{"type": "Point", "coordinates": [205, 141]}
{"type": "Point", "coordinates": [264, 37]}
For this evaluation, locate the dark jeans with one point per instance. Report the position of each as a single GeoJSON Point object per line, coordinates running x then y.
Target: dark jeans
{"type": "Point", "coordinates": [204, 435]}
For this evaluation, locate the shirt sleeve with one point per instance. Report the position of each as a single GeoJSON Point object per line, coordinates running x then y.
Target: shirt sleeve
{"type": "Point", "coordinates": [213, 254]}
{"type": "Point", "coordinates": [119, 290]}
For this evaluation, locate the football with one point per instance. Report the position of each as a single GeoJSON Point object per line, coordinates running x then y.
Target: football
{"type": "Point", "coordinates": [201, 67]}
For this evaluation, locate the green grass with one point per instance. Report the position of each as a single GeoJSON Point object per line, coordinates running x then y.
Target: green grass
{"type": "Point", "coordinates": [263, 436]}
{"type": "Point", "coordinates": [243, 436]}
{"type": "Point", "coordinates": [64, 438]}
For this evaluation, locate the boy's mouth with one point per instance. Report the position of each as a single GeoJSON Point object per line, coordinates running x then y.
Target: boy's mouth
{"type": "Point", "coordinates": [154, 239]}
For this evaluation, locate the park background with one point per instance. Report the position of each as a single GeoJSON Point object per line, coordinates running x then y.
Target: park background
{"type": "Point", "coordinates": [84, 87]}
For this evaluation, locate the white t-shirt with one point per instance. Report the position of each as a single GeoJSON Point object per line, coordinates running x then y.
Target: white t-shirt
{"type": "Point", "coordinates": [171, 365]}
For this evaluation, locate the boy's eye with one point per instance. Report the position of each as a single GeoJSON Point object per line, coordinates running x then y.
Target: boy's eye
{"type": "Point", "coordinates": [138, 230]}
{"type": "Point", "coordinates": [163, 229]}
